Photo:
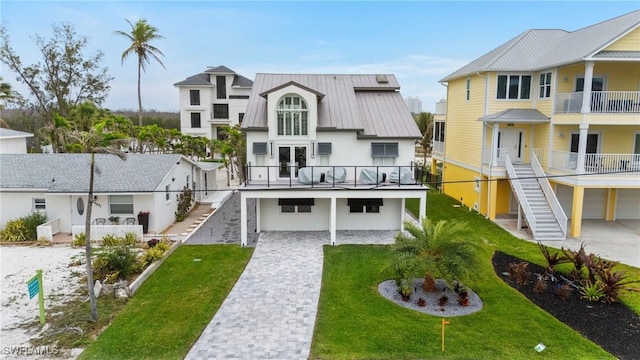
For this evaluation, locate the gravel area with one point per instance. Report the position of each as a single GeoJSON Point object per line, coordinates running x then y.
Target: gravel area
{"type": "Point", "coordinates": [389, 290]}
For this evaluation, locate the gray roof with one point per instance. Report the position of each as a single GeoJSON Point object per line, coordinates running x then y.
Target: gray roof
{"type": "Point", "coordinates": [543, 49]}
{"type": "Point", "coordinates": [351, 102]}
{"type": "Point", "coordinates": [195, 80]}
{"type": "Point", "coordinates": [241, 81]}
{"type": "Point", "coordinates": [618, 54]}
{"type": "Point", "coordinates": [220, 69]}
{"type": "Point", "coordinates": [526, 116]}
{"type": "Point", "coordinates": [8, 134]}
{"type": "Point", "coordinates": [69, 173]}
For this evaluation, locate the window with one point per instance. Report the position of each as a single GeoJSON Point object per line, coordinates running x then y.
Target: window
{"type": "Point", "coordinates": [240, 118]}
{"type": "Point", "coordinates": [324, 148]}
{"type": "Point", "coordinates": [166, 192]}
{"type": "Point", "coordinates": [194, 96]}
{"type": "Point", "coordinates": [195, 120]}
{"type": "Point", "coordinates": [592, 143]}
{"type": "Point", "coordinates": [545, 85]}
{"type": "Point", "coordinates": [384, 150]}
{"type": "Point", "coordinates": [439, 131]}
{"type": "Point", "coordinates": [39, 205]}
{"type": "Point", "coordinates": [299, 206]}
{"type": "Point", "coordinates": [514, 87]}
{"type": "Point", "coordinates": [221, 87]}
{"type": "Point", "coordinates": [121, 204]}
{"type": "Point", "coordinates": [370, 206]}
{"type": "Point", "coordinates": [468, 88]}
{"type": "Point", "coordinates": [292, 116]}
{"type": "Point", "coordinates": [260, 148]}
{"type": "Point", "coordinates": [220, 111]}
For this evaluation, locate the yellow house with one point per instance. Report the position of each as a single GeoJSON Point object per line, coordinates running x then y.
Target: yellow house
{"type": "Point", "coordinates": [547, 126]}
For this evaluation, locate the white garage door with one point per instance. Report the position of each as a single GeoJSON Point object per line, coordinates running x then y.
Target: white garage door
{"type": "Point", "coordinates": [593, 206]}
{"type": "Point", "coordinates": [628, 205]}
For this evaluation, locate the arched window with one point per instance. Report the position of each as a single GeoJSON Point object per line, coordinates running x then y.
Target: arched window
{"type": "Point", "coordinates": [292, 116]}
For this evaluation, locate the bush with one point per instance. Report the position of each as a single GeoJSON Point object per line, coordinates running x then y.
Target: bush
{"type": "Point", "coordinates": [79, 240]}
{"type": "Point", "coordinates": [111, 240]}
{"type": "Point", "coordinates": [23, 229]}
{"type": "Point", "coordinates": [113, 263]}
{"type": "Point", "coordinates": [130, 239]}
{"type": "Point", "coordinates": [184, 204]}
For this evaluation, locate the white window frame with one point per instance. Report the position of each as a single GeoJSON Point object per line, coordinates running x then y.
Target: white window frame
{"type": "Point", "coordinates": [468, 92]}
{"type": "Point", "coordinates": [167, 193]}
{"type": "Point", "coordinates": [519, 91]}
{"type": "Point", "coordinates": [292, 116]}
{"type": "Point", "coordinates": [120, 197]}
{"type": "Point", "coordinates": [545, 80]}
{"type": "Point", "coordinates": [39, 205]}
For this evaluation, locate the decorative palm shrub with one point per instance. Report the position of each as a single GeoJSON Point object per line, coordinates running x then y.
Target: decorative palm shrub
{"type": "Point", "coordinates": [23, 229]}
{"type": "Point", "coordinates": [432, 250]}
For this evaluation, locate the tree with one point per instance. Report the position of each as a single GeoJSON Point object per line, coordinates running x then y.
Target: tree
{"type": "Point", "coordinates": [65, 77]}
{"type": "Point", "coordinates": [5, 93]}
{"type": "Point", "coordinates": [95, 141]}
{"type": "Point", "coordinates": [434, 249]}
{"type": "Point", "coordinates": [238, 144]}
{"type": "Point", "coordinates": [423, 121]}
{"type": "Point", "coordinates": [140, 36]}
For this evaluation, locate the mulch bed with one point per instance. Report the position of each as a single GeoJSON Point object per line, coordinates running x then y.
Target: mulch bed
{"type": "Point", "coordinates": [614, 327]}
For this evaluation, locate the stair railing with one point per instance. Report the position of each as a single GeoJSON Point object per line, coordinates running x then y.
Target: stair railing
{"type": "Point", "coordinates": [522, 198]}
{"type": "Point", "coordinates": [561, 217]}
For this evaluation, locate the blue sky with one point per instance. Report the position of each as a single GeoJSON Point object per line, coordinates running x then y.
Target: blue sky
{"type": "Point", "coordinates": [418, 41]}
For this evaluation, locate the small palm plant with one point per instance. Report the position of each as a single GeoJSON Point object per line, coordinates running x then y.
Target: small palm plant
{"type": "Point", "coordinates": [439, 249]}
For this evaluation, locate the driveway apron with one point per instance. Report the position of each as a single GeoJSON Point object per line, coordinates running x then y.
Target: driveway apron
{"type": "Point", "coordinates": [270, 313]}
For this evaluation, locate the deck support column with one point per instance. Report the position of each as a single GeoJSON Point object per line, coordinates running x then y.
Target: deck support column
{"type": "Point", "coordinates": [611, 200]}
{"type": "Point", "coordinates": [423, 206]}
{"type": "Point", "coordinates": [243, 219]}
{"type": "Point", "coordinates": [576, 211]}
{"type": "Point", "coordinates": [404, 209]}
{"type": "Point", "coordinates": [582, 147]}
{"type": "Point", "coordinates": [257, 215]}
{"type": "Point", "coordinates": [332, 220]}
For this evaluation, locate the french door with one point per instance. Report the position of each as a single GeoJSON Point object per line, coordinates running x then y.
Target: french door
{"type": "Point", "coordinates": [290, 159]}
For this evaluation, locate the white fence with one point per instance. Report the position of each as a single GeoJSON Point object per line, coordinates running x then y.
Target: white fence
{"type": "Point", "coordinates": [99, 231]}
{"type": "Point", "coordinates": [498, 159]}
{"type": "Point", "coordinates": [597, 163]}
{"type": "Point", "coordinates": [601, 102]}
{"type": "Point", "coordinates": [48, 229]}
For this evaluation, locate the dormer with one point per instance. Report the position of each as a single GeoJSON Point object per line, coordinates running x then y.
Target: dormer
{"type": "Point", "coordinates": [292, 111]}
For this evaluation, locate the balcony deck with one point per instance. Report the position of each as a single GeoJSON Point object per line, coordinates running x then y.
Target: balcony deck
{"type": "Point", "coordinates": [601, 102]}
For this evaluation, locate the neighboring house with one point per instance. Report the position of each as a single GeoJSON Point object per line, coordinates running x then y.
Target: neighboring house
{"type": "Point", "coordinates": [13, 141]}
{"type": "Point", "coordinates": [553, 105]}
{"type": "Point", "coordinates": [211, 100]}
{"type": "Point", "coordinates": [309, 138]}
{"type": "Point", "coordinates": [57, 185]}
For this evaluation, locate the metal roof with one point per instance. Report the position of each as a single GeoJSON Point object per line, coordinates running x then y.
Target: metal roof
{"type": "Point", "coordinates": [9, 134]}
{"type": "Point", "coordinates": [356, 102]}
{"type": "Point", "coordinates": [547, 48]}
{"type": "Point", "coordinates": [618, 54]}
{"type": "Point", "coordinates": [241, 82]}
{"type": "Point", "coordinates": [69, 173]}
{"type": "Point", "coordinates": [523, 116]}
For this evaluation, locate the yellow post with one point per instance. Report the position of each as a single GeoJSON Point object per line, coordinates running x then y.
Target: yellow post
{"type": "Point", "coordinates": [610, 205]}
{"type": "Point", "coordinates": [434, 168]}
{"type": "Point", "coordinates": [444, 322]}
{"type": "Point", "coordinates": [576, 211]}
{"type": "Point", "coordinates": [493, 198]}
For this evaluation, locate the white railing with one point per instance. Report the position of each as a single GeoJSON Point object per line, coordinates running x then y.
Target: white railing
{"type": "Point", "coordinates": [597, 163]}
{"type": "Point", "coordinates": [48, 229]}
{"type": "Point", "coordinates": [601, 102]}
{"type": "Point", "coordinates": [522, 198]}
{"type": "Point", "coordinates": [539, 153]}
{"type": "Point", "coordinates": [99, 231]}
{"type": "Point", "coordinates": [561, 217]}
{"type": "Point", "coordinates": [498, 159]}
{"type": "Point", "coordinates": [438, 147]}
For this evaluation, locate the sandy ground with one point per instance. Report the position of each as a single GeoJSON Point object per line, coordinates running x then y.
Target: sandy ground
{"type": "Point", "coordinates": [17, 265]}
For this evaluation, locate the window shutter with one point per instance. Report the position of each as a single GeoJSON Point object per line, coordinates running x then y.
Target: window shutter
{"type": "Point", "coordinates": [260, 148]}
{"type": "Point", "coordinates": [324, 148]}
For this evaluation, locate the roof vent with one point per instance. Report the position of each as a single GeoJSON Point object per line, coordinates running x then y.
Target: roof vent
{"type": "Point", "coordinates": [382, 79]}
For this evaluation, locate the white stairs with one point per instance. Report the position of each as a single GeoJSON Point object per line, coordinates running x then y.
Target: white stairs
{"type": "Point", "coordinates": [547, 226]}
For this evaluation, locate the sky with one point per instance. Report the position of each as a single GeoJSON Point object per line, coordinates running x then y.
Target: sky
{"type": "Point", "coordinates": [420, 42]}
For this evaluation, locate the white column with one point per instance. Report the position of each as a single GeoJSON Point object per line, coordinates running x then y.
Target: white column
{"type": "Point", "coordinates": [243, 219]}
{"type": "Point", "coordinates": [494, 144]}
{"type": "Point", "coordinates": [423, 206]}
{"type": "Point", "coordinates": [582, 147]}
{"type": "Point", "coordinates": [332, 220]}
{"type": "Point", "coordinates": [402, 206]}
{"type": "Point", "coordinates": [586, 93]}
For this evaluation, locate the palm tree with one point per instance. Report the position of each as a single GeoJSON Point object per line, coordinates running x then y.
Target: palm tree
{"type": "Point", "coordinates": [433, 249]}
{"type": "Point", "coordinates": [5, 93]}
{"type": "Point", "coordinates": [140, 36]}
{"type": "Point", "coordinates": [95, 141]}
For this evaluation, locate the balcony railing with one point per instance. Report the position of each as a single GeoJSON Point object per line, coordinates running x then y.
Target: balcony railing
{"type": "Point", "coordinates": [597, 163]}
{"type": "Point", "coordinates": [331, 176]}
{"type": "Point", "coordinates": [498, 159]}
{"type": "Point", "coordinates": [601, 102]}
{"type": "Point", "coordinates": [438, 147]}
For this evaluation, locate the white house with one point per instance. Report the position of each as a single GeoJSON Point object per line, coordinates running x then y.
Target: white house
{"type": "Point", "coordinates": [211, 100]}
{"type": "Point", "coordinates": [13, 141]}
{"type": "Point", "coordinates": [57, 185]}
{"type": "Point", "coordinates": [317, 149]}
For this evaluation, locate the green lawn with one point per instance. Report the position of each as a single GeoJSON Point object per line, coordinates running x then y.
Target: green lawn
{"type": "Point", "coordinates": [172, 308]}
{"type": "Point", "coordinates": [354, 322]}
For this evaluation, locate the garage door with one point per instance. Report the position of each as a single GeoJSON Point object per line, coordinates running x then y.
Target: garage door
{"type": "Point", "coordinates": [593, 206]}
{"type": "Point", "coordinates": [628, 205]}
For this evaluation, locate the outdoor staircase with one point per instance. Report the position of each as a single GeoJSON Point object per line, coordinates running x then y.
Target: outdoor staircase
{"type": "Point", "coordinates": [542, 211]}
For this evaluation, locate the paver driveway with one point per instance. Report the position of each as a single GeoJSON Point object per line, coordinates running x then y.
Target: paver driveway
{"type": "Point", "coordinates": [270, 313]}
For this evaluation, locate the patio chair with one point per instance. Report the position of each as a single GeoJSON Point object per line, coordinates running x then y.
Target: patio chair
{"type": "Point", "coordinates": [99, 221]}
{"type": "Point", "coordinates": [129, 221]}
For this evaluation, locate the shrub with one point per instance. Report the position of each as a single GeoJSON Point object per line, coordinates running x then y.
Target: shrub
{"type": "Point", "coordinates": [578, 259]}
{"type": "Point", "coordinates": [130, 239]}
{"type": "Point", "coordinates": [591, 292]}
{"type": "Point", "coordinates": [32, 221]}
{"type": "Point", "coordinates": [406, 288]}
{"type": "Point", "coordinates": [115, 263]}
{"type": "Point", "coordinates": [518, 273]}
{"type": "Point", "coordinates": [184, 203]}
{"type": "Point", "coordinates": [421, 302]}
{"type": "Point", "coordinates": [78, 240]}
{"type": "Point", "coordinates": [42, 241]}
{"type": "Point", "coordinates": [540, 286]}
{"type": "Point", "coordinates": [612, 282]}
{"type": "Point", "coordinates": [442, 301]}
{"type": "Point", "coordinates": [563, 291]}
{"type": "Point", "coordinates": [463, 298]}
{"type": "Point", "coordinates": [553, 259]}
{"type": "Point", "coordinates": [111, 240]}
{"type": "Point", "coordinates": [23, 229]}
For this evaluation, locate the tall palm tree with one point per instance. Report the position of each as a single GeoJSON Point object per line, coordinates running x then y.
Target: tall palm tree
{"type": "Point", "coordinates": [434, 249]}
{"type": "Point", "coordinates": [140, 36]}
{"type": "Point", "coordinates": [95, 141]}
